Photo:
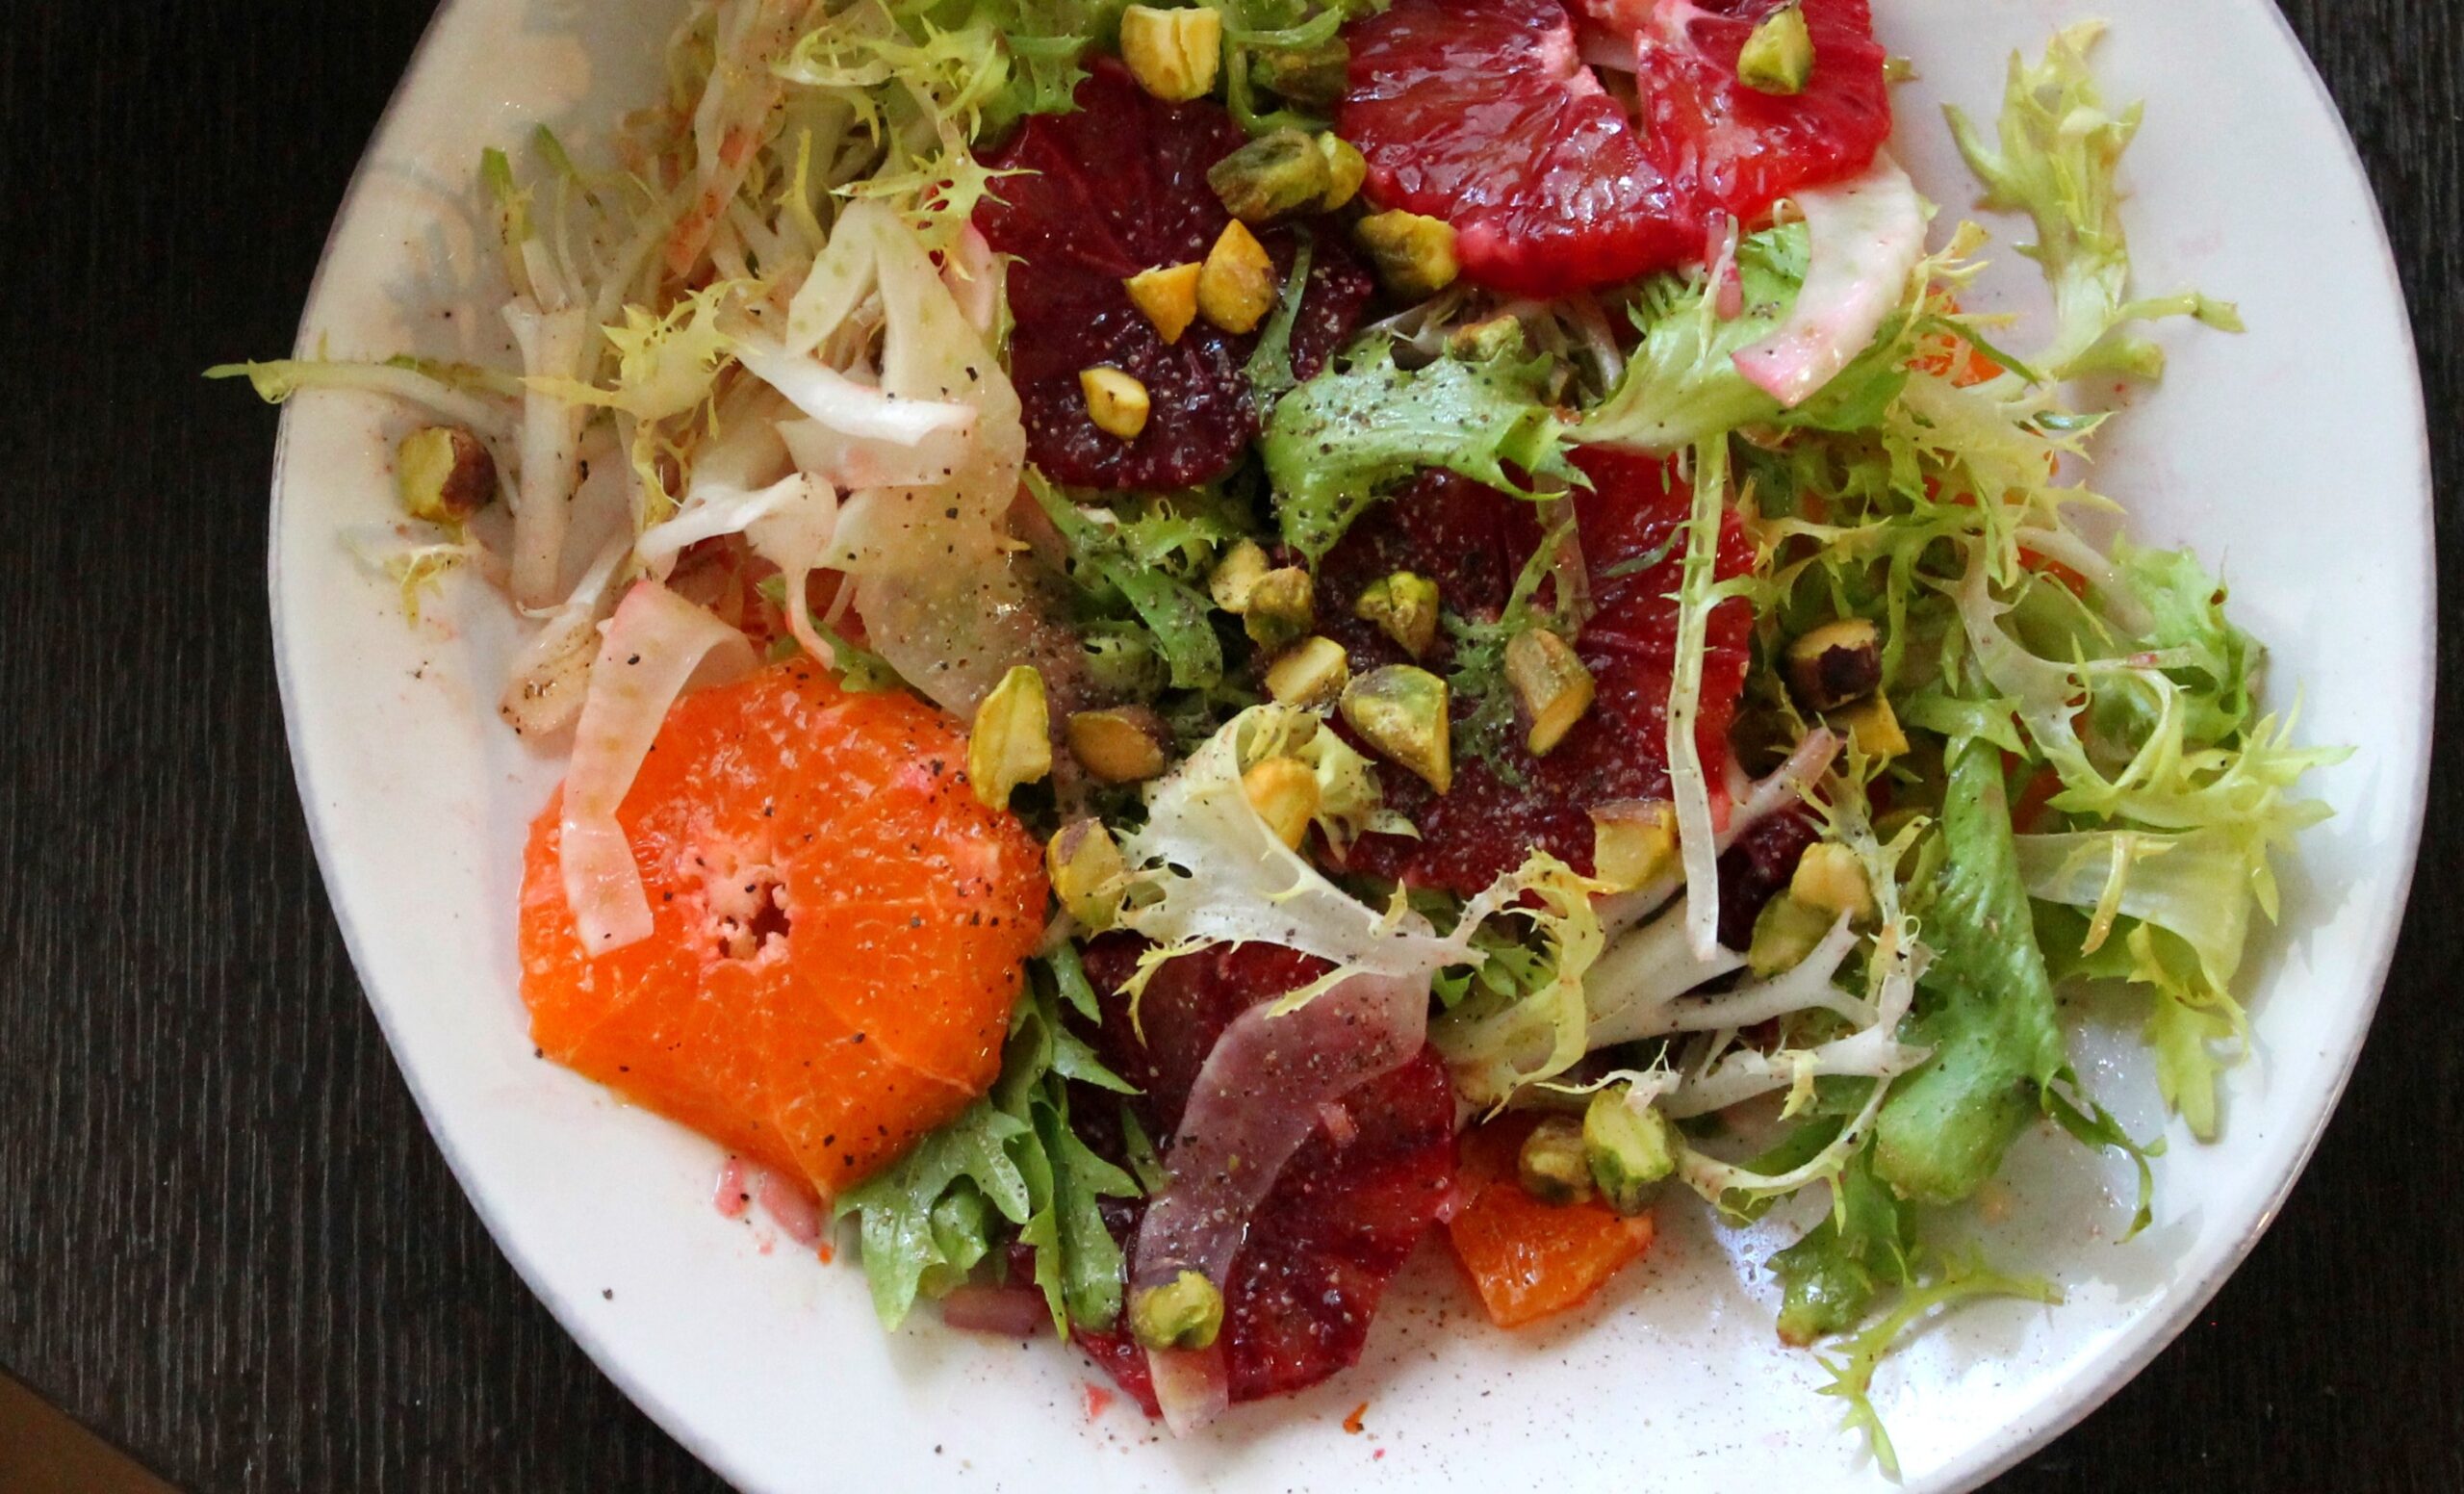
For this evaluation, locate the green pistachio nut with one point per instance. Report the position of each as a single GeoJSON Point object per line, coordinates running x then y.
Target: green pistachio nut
{"type": "Point", "coordinates": [1317, 75]}
{"type": "Point", "coordinates": [1785, 932]}
{"type": "Point", "coordinates": [1276, 176]}
{"type": "Point", "coordinates": [1779, 54]}
{"type": "Point", "coordinates": [1414, 253]}
{"type": "Point", "coordinates": [1405, 607]}
{"type": "Point", "coordinates": [1551, 1165]}
{"type": "Point", "coordinates": [1011, 741]}
{"type": "Point", "coordinates": [1629, 1148]}
{"type": "Point", "coordinates": [445, 474]}
{"type": "Point", "coordinates": [1401, 712]}
{"type": "Point", "coordinates": [1346, 170]}
{"type": "Point", "coordinates": [1186, 1313]}
{"type": "Point", "coordinates": [1281, 606]}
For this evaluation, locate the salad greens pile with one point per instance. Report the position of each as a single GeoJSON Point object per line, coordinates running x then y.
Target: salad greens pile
{"type": "Point", "coordinates": [773, 321]}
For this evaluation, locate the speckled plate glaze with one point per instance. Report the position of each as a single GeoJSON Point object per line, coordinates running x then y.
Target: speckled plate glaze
{"type": "Point", "coordinates": [2273, 452]}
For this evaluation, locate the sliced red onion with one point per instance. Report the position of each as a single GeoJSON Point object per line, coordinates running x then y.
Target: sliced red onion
{"type": "Point", "coordinates": [1257, 1098]}
{"type": "Point", "coordinates": [1865, 238]}
{"type": "Point", "coordinates": [656, 645]}
{"type": "Point", "coordinates": [1192, 1386]}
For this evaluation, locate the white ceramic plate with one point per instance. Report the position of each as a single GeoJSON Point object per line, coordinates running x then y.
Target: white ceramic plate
{"type": "Point", "coordinates": [2294, 457]}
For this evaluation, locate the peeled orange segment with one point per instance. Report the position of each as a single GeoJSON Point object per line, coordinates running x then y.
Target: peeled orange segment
{"type": "Point", "coordinates": [839, 930]}
{"type": "Point", "coordinates": [1527, 1259]}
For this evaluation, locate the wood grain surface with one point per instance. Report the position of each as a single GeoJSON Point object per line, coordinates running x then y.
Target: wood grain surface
{"type": "Point", "coordinates": [225, 1238]}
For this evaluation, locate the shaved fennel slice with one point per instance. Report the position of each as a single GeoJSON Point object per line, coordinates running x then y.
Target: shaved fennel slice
{"type": "Point", "coordinates": [741, 92]}
{"type": "Point", "coordinates": [976, 277]}
{"type": "Point", "coordinates": [553, 670]}
{"type": "Point", "coordinates": [935, 581]}
{"type": "Point", "coordinates": [656, 644]}
{"type": "Point", "coordinates": [788, 523]}
{"type": "Point", "coordinates": [1696, 596]}
{"type": "Point", "coordinates": [553, 345]}
{"type": "Point", "coordinates": [1865, 237]}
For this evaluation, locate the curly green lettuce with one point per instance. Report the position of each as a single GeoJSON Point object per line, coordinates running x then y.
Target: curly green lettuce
{"type": "Point", "coordinates": [1366, 425]}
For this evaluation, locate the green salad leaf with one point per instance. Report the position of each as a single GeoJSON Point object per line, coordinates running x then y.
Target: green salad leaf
{"type": "Point", "coordinates": [1682, 386]}
{"type": "Point", "coordinates": [929, 1219]}
{"type": "Point", "coordinates": [1366, 425]}
{"type": "Point", "coordinates": [1990, 1020]}
{"type": "Point", "coordinates": [1139, 563]}
{"type": "Point", "coordinates": [2055, 159]}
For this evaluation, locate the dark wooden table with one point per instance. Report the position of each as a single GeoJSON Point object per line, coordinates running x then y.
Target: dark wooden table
{"type": "Point", "coordinates": [229, 1244]}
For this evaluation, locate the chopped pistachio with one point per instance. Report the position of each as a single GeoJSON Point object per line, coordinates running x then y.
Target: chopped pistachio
{"type": "Point", "coordinates": [1123, 744]}
{"type": "Point", "coordinates": [1346, 170]}
{"type": "Point", "coordinates": [1281, 606]}
{"type": "Point", "coordinates": [1414, 254]}
{"type": "Point", "coordinates": [1284, 791]}
{"type": "Point", "coordinates": [1873, 726]}
{"type": "Point", "coordinates": [1500, 336]}
{"type": "Point", "coordinates": [1236, 576]}
{"type": "Point", "coordinates": [1280, 173]}
{"type": "Point", "coordinates": [1400, 710]}
{"type": "Point", "coordinates": [1551, 1165]}
{"type": "Point", "coordinates": [1633, 842]}
{"type": "Point", "coordinates": [1629, 1148]}
{"type": "Point", "coordinates": [444, 473]}
{"type": "Point", "coordinates": [1836, 663]}
{"type": "Point", "coordinates": [1312, 674]}
{"type": "Point", "coordinates": [1551, 686]}
{"type": "Point", "coordinates": [1405, 607]}
{"type": "Point", "coordinates": [1184, 1312]}
{"type": "Point", "coordinates": [1785, 933]}
{"type": "Point", "coordinates": [1235, 286]}
{"type": "Point", "coordinates": [1172, 53]}
{"type": "Point", "coordinates": [1086, 867]}
{"type": "Point", "coordinates": [1778, 56]}
{"type": "Point", "coordinates": [1011, 742]}
{"type": "Point", "coordinates": [1316, 74]}
{"type": "Point", "coordinates": [1829, 877]}
{"type": "Point", "coordinates": [1116, 403]}
{"type": "Point", "coordinates": [1167, 295]}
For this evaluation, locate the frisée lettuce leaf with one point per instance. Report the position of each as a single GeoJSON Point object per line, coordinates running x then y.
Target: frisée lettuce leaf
{"type": "Point", "coordinates": [933, 1216]}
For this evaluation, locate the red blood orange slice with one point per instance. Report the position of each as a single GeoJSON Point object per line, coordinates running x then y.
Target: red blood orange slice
{"type": "Point", "coordinates": [1345, 1211]}
{"type": "Point", "coordinates": [1473, 540]}
{"type": "Point", "coordinates": [1482, 113]}
{"type": "Point", "coordinates": [1117, 187]}
{"type": "Point", "coordinates": [1737, 149]}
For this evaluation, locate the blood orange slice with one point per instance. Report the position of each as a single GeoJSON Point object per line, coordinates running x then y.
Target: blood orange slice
{"type": "Point", "coordinates": [1473, 541]}
{"type": "Point", "coordinates": [1737, 149]}
{"type": "Point", "coordinates": [839, 928]}
{"type": "Point", "coordinates": [1347, 1209]}
{"type": "Point", "coordinates": [1117, 187]}
{"type": "Point", "coordinates": [1482, 113]}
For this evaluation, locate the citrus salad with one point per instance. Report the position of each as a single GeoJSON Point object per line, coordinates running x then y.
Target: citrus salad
{"type": "Point", "coordinates": [1196, 642]}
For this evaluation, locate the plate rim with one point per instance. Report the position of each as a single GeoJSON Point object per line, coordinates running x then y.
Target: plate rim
{"type": "Point", "coordinates": [2046, 1420]}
